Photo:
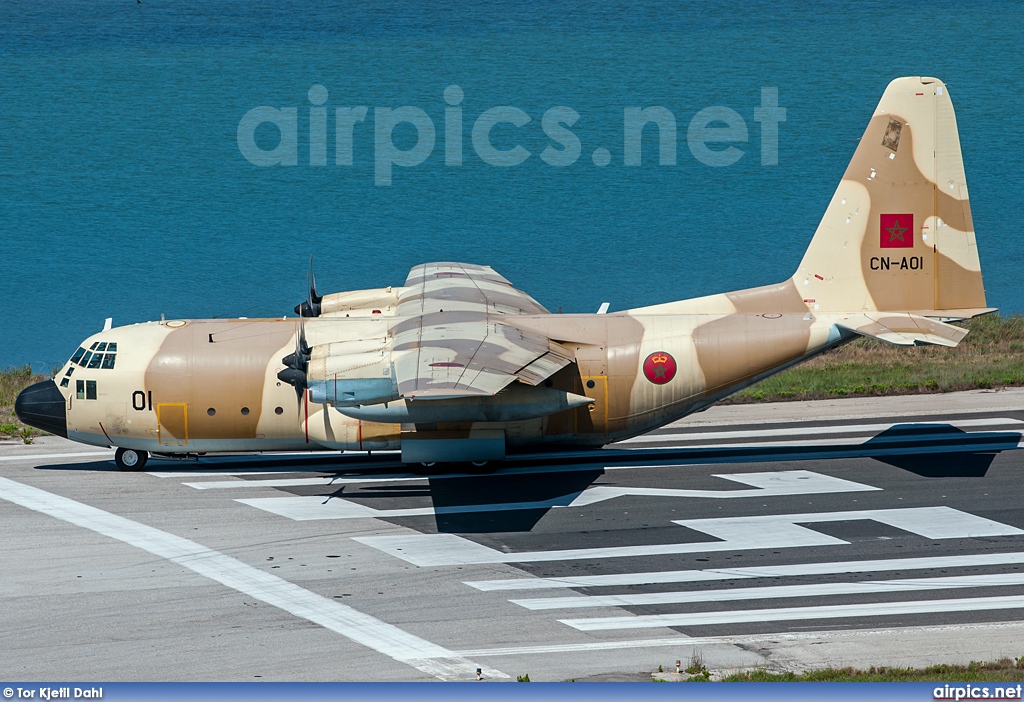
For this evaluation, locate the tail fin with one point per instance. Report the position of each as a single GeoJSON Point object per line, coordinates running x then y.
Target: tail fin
{"type": "Point", "coordinates": [898, 234]}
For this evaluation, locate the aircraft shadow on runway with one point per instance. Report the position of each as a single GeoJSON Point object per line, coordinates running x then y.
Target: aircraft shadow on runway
{"type": "Point", "coordinates": [933, 450]}
{"type": "Point", "coordinates": [523, 489]}
{"type": "Point", "coordinates": [502, 502]}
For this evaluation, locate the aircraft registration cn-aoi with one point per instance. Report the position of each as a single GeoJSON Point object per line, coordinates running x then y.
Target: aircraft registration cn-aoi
{"type": "Point", "coordinates": [458, 365]}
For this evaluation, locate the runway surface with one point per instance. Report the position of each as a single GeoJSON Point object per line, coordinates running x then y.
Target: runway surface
{"type": "Point", "coordinates": [860, 532]}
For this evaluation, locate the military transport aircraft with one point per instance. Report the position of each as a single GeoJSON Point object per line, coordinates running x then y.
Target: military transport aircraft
{"type": "Point", "coordinates": [458, 365]}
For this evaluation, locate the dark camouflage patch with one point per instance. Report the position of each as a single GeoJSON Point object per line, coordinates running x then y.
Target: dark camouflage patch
{"type": "Point", "coordinates": [891, 140]}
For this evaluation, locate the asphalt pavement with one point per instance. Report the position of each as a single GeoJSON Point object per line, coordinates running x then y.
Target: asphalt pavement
{"type": "Point", "coordinates": [879, 531]}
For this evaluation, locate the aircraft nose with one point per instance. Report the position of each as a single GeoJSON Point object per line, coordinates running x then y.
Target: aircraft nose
{"type": "Point", "coordinates": [42, 406]}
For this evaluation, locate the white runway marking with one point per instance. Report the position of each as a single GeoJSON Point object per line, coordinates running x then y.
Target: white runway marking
{"type": "Point", "coordinates": [768, 484]}
{"type": "Point", "coordinates": [47, 456]}
{"type": "Point", "coordinates": [306, 508]}
{"type": "Point", "coordinates": [735, 534]}
{"type": "Point", "coordinates": [815, 431]}
{"type": "Point", "coordinates": [685, 642]}
{"type": "Point", "coordinates": [680, 641]}
{"type": "Point", "coordinates": [796, 482]}
{"type": "Point", "coordinates": [872, 609]}
{"type": "Point", "coordinates": [845, 441]}
{"type": "Point", "coordinates": [342, 619]}
{"type": "Point", "coordinates": [868, 587]}
{"type": "Point", "coordinates": [295, 482]}
{"type": "Point", "coordinates": [215, 473]}
{"type": "Point", "coordinates": [691, 576]}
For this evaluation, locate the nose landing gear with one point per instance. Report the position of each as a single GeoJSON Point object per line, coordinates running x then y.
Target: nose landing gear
{"type": "Point", "coordinates": [130, 459]}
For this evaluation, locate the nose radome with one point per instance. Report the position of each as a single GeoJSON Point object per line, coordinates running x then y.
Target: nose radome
{"type": "Point", "coordinates": [42, 406]}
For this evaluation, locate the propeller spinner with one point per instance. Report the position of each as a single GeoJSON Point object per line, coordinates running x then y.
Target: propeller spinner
{"type": "Point", "coordinates": [297, 364]}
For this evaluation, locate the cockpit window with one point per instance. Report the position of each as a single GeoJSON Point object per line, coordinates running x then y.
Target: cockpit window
{"type": "Point", "coordinates": [95, 358]}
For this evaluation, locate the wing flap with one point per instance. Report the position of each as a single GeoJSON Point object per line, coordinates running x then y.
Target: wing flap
{"type": "Point", "coordinates": [547, 364]}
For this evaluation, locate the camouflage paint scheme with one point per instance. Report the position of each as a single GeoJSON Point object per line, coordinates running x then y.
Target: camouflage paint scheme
{"type": "Point", "coordinates": [460, 336]}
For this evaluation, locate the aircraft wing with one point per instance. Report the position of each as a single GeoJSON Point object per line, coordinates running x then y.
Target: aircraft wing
{"type": "Point", "coordinates": [456, 334]}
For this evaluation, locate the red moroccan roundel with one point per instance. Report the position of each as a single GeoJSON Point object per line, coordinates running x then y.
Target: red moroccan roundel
{"type": "Point", "coordinates": [660, 367]}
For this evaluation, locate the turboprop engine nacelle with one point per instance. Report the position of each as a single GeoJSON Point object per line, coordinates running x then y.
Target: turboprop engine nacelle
{"type": "Point", "coordinates": [361, 303]}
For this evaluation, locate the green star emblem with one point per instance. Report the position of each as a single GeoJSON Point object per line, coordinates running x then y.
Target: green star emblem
{"type": "Point", "coordinates": [896, 232]}
{"type": "Point", "coordinates": [659, 371]}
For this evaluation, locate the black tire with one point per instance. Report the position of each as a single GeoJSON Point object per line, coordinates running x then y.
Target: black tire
{"type": "Point", "coordinates": [130, 460]}
{"type": "Point", "coordinates": [480, 467]}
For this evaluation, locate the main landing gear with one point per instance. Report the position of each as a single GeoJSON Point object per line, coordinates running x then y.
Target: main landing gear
{"type": "Point", "coordinates": [130, 459]}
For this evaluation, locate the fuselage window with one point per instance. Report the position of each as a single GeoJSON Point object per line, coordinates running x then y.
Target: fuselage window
{"type": "Point", "coordinates": [85, 389]}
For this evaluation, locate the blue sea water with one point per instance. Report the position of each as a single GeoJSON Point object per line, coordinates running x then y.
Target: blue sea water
{"type": "Point", "coordinates": [123, 191]}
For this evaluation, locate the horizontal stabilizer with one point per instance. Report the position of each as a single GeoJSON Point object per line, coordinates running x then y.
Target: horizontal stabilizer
{"type": "Point", "coordinates": [903, 329]}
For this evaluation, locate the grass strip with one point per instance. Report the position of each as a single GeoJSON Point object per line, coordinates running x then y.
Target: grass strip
{"type": "Point", "coordinates": [1004, 670]}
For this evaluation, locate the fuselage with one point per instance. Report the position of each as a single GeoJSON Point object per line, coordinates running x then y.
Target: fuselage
{"type": "Point", "coordinates": [194, 386]}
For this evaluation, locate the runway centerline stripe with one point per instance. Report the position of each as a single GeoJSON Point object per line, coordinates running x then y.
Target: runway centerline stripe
{"type": "Point", "coordinates": [361, 628]}
{"type": "Point", "coordinates": [776, 592]}
{"type": "Point", "coordinates": [805, 431]}
{"type": "Point", "coordinates": [872, 609]}
{"type": "Point", "coordinates": [798, 569]}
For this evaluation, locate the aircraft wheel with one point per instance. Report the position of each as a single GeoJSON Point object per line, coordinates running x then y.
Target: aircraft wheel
{"type": "Point", "coordinates": [481, 467]}
{"type": "Point", "coordinates": [130, 459]}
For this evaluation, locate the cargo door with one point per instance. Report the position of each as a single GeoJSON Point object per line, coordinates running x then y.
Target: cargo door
{"type": "Point", "coordinates": [172, 423]}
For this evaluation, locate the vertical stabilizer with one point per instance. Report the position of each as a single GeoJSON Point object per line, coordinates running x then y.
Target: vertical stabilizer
{"type": "Point", "coordinates": [898, 234]}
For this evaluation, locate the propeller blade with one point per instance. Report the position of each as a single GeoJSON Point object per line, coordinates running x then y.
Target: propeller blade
{"type": "Point", "coordinates": [297, 364]}
{"type": "Point", "coordinates": [311, 307]}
